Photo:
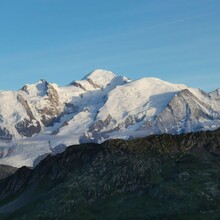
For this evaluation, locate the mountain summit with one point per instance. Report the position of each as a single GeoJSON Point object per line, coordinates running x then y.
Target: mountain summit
{"type": "Point", "coordinates": [98, 79]}
{"type": "Point", "coordinates": [44, 118]}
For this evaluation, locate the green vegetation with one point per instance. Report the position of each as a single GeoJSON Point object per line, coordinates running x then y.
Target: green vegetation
{"type": "Point", "coordinates": [160, 177]}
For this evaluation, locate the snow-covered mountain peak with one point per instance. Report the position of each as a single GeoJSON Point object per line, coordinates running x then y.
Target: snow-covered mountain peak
{"type": "Point", "coordinates": [44, 118]}
{"type": "Point", "coordinates": [99, 79]}
{"type": "Point", "coordinates": [149, 95]}
{"type": "Point", "coordinates": [99, 74]}
{"type": "Point", "coordinates": [37, 89]}
{"type": "Point", "coordinates": [156, 85]}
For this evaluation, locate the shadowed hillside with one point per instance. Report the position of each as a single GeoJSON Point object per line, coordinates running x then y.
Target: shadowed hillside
{"type": "Point", "coordinates": [158, 177]}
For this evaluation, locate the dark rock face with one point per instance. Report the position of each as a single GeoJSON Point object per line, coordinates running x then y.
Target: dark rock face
{"type": "Point", "coordinates": [27, 127]}
{"type": "Point", "coordinates": [6, 171]}
{"type": "Point", "coordinates": [146, 173]}
{"type": "Point", "coordinates": [52, 111]}
{"type": "Point", "coordinates": [1, 118]}
{"type": "Point", "coordinates": [99, 125]}
{"type": "Point", "coordinates": [5, 134]}
{"type": "Point", "coordinates": [26, 106]}
{"type": "Point", "coordinates": [78, 85]}
{"type": "Point", "coordinates": [93, 84]}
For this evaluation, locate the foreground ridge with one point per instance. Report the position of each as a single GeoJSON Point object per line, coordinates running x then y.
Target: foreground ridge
{"type": "Point", "coordinates": [179, 171]}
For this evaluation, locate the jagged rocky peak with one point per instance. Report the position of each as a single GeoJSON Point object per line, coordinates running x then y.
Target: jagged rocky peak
{"type": "Point", "coordinates": [39, 88]}
{"type": "Point", "coordinates": [215, 94]}
{"type": "Point", "coordinates": [99, 79]}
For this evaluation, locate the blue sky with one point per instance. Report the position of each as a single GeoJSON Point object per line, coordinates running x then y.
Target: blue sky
{"type": "Point", "coordinates": [63, 40]}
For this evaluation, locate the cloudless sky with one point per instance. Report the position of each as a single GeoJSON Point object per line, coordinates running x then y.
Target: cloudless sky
{"type": "Point", "coordinates": [63, 40]}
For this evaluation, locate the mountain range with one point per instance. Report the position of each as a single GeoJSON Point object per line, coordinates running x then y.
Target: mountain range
{"type": "Point", "coordinates": [44, 118]}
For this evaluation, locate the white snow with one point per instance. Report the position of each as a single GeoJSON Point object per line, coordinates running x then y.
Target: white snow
{"type": "Point", "coordinates": [148, 95]}
{"type": "Point", "coordinates": [100, 77]}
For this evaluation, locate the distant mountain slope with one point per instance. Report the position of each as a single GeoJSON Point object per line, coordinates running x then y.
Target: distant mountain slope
{"type": "Point", "coordinates": [158, 177]}
{"type": "Point", "coordinates": [38, 119]}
